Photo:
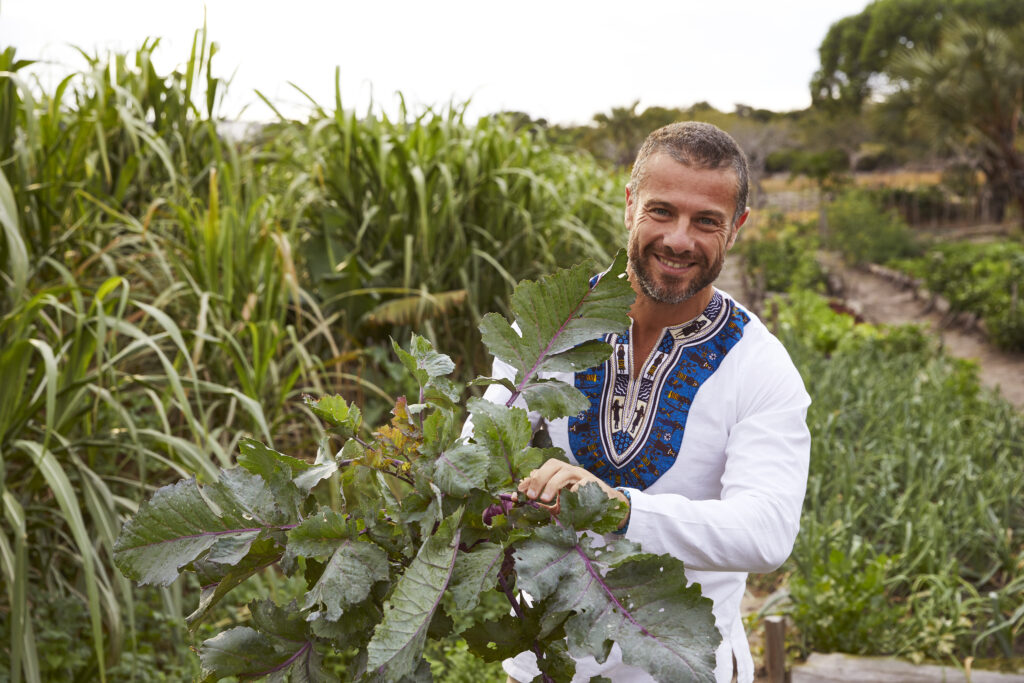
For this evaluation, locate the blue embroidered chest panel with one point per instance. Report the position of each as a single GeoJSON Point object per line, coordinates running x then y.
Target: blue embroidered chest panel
{"type": "Point", "coordinates": [631, 433]}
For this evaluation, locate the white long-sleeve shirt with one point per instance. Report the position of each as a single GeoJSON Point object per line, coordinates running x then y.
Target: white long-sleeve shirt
{"type": "Point", "coordinates": [711, 442]}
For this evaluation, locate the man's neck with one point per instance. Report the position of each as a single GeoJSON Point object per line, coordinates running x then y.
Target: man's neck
{"type": "Point", "coordinates": [651, 316]}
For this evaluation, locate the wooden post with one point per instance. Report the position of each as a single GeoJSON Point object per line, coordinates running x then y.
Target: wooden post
{"type": "Point", "coordinates": [775, 648]}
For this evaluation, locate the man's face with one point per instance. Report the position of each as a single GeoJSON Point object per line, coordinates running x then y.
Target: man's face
{"type": "Point", "coordinates": [680, 227]}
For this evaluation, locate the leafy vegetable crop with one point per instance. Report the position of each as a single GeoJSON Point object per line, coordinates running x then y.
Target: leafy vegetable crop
{"type": "Point", "coordinates": [399, 534]}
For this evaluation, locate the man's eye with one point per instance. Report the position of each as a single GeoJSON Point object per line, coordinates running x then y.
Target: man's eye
{"type": "Point", "coordinates": [708, 221]}
{"type": "Point", "coordinates": [659, 211]}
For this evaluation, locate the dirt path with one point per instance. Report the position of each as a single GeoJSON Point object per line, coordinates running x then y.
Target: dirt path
{"type": "Point", "coordinates": [880, 300]}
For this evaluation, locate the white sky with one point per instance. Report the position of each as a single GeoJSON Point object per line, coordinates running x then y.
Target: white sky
{"type": "Point", "coordinates": [564, 60]}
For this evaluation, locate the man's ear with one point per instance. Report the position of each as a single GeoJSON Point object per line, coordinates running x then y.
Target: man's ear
{"type": "Point", "coordinates": [736, 227]}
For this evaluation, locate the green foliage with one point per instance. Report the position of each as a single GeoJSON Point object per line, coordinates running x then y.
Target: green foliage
{"type": "Point", "coordinates": [984, 279]}
{"type": "Point", "coordinates": [859, 48]}
{"type": "Point", "coordinates": [840, 601]}
{"type": "Point", "coordinates": [808, 320]}
{"type": "Point", "coordinates": [962, 90]}
{"type": "Point", "coordinates": [912, 512]}
{"type": "Point", "coordinates": [782, 256]}
{"type": "Point", "coordinates": [829, 168]}
{"type": "Point", "coordinates": [162, 298]}
{"type": "Point", "coordinates": [406, 222]}
{"type": "Point", "coordinates": [864, 232]}
{"type": "Point", "coordinates": [426, 528]}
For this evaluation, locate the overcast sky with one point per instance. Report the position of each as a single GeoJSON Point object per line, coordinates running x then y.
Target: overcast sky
{"type": "Point", "coordinates": [560, 59]}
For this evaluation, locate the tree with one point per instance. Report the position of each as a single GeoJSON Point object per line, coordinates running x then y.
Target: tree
{"type": "Point", "coordinates": [858, 50]}
{"type": "Point", "coordinates": [970, 90]}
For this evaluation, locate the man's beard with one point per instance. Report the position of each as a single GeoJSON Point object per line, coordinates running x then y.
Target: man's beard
{"type": "Point", "coordinates": [671, 291]}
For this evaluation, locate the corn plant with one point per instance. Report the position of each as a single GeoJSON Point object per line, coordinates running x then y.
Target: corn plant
{"type": "Point", "coordinates": [433, 218]}
{"type": "Point", "coordinates": [113, 340]}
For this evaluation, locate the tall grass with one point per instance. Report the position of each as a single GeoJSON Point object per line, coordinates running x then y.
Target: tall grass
{"type": "Point", "coordinates": [448, 214]}
{"type": "Point", "coordinates": [114, 342]}
{"type": "Point", "coordinates": [166, 291]}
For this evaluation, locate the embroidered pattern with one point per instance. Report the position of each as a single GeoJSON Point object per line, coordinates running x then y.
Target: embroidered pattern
{"type": "Point", "coordinates": [632, 431]}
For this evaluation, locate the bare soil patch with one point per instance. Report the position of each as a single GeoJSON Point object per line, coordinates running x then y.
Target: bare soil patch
{"type": "Point", "coordinates": [881, 300]}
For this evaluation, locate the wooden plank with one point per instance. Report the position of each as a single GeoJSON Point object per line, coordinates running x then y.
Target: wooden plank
{"type": "Point", "coordinates": [840, 668]}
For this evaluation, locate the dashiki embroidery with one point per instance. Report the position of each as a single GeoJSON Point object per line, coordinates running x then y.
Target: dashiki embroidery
{"type": "Point", "coordinates": [632, 431]}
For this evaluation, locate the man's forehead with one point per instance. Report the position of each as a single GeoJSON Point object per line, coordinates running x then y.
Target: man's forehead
{"type": "Point", "coordinates": [668, 160]}
{"type": "Point", "coordinates": [665, 162]}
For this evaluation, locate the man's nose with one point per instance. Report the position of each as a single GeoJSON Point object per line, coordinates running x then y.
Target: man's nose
{"type": "Point", "coordinates": [679, 237]}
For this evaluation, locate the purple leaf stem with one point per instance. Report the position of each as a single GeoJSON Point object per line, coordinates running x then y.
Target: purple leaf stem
{"type": "Point", "coordinates": [544, 353]}
{"type": "Point", "coordinates": [517, 608]}
{"type": "Point", "coordinates": [288, 662]}
{"type": "Point", "coordinates": [593, 572]}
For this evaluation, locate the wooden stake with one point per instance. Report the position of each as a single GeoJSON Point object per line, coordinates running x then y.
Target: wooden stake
{"type": "Point", "coordinates": [775, 648]}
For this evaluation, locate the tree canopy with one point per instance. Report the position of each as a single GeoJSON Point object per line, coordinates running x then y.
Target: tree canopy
{"type": "Point", "coordinates": [858, 50]}
{"type": "Point", "coordinates": [968, 92]}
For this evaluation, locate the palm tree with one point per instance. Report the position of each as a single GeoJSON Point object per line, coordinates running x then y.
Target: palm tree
{"type": "Point", "coordinates": [970, 92]}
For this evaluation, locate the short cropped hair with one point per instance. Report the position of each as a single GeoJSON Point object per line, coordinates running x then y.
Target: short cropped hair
{"type": "Point", "coordinates": [697, 145]}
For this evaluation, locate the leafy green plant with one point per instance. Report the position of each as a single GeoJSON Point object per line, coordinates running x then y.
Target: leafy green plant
{"type": "Point", "coordinates": [984, 279]}
{"type": "Point", "coordinates": [840, 599]}
{"type": "Point", "coordinates": [864, 232]}
{"type": "Point", "coordinates": [913, 497]}
{"type": "Point", "coordinates": [781, 256]}
{"type": "Point", "coordinates": [406, 527]}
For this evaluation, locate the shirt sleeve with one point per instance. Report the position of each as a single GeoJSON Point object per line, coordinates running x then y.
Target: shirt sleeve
{"type": "Point", "coordinates": [752, 526]}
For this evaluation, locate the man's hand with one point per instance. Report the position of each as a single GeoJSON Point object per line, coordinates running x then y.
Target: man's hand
{"type": "Point", "coordinates": [554, 475]}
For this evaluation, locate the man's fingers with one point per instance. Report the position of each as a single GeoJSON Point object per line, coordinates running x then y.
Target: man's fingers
{"type": "Point", "coordinates": [559, 480]}
{"type": "Point", "coordinates": [534, 484]}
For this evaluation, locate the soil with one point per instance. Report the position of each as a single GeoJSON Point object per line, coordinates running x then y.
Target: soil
{"type": "Point", "coordinates": [882, 298]}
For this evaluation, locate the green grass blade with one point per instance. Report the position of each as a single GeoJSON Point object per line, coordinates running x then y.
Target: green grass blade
{"type": "Point", "coordinates": [64, 494]}
{"type": "Point", "coordinates": [17, 253]}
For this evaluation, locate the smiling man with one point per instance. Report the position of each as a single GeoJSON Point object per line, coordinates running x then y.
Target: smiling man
{"type": "Point", "coordinates": [698, 418]}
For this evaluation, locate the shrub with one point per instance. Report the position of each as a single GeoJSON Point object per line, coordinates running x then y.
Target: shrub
{"type": "Point", "coordinates": [782, 256]}
{"type": "Point", "coordinates": [864, 232]}
{"type": "Point", "coordinates": [984, 279]}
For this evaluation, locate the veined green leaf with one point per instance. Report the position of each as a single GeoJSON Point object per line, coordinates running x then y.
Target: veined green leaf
{"type": "Point", "coordinates": [217, 579]}
{"type": "Point", "coordinates": [553, 398]}
{"type": "Point", "coordinates": [422, 360]}
{"type": "Point", "coordinates": [346, 580]}
{"type": "Point", "coordinates": [504, 432]}
{"type": "Point", "coordinates": [589, 507]}
{"type": "Point", "coordinates": [277, 469]}
{"type": "Point", "coordinates": [586, 355]}
{"type": "Point", "coordinates": [245, 652]}
{"type": "Point", "coordinates": [615, 593]}
{"type": "Point", "coordinates": [475, 572]}
{"type": "Point", "coordinates": [182, 521]}
{"type": "Point", "coordinates": [557, 313]}
{"type": "Point", "coordinates": [337, 412]}
{"type": "Point", "coordinates": [460, 469]}
{"type": "Point", "coordinates": [397, 643]}
{"type": "Point", "coordinates": [320, 535]}
{"type": "Point", "coordinates": [507, 636]}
